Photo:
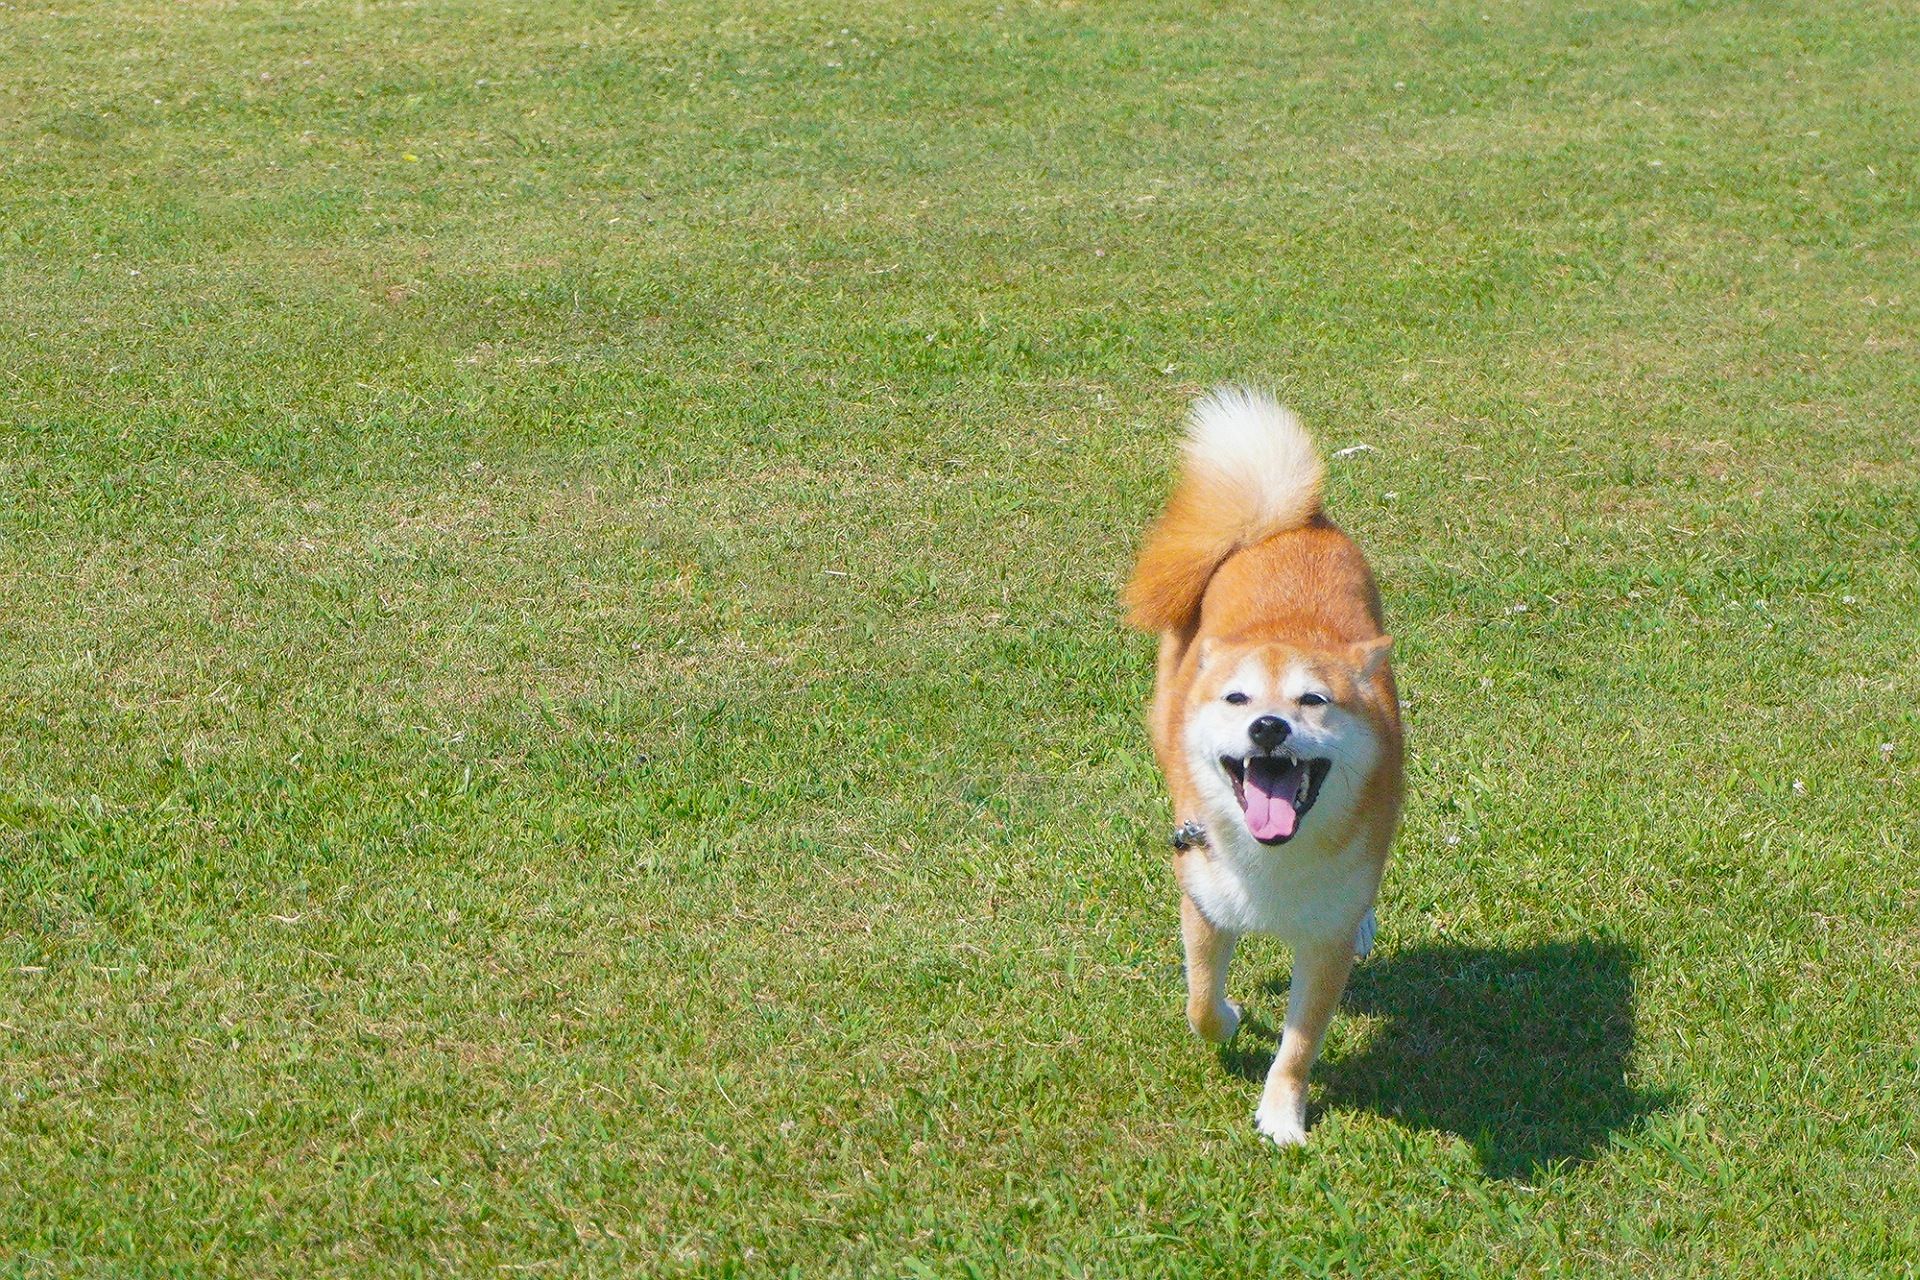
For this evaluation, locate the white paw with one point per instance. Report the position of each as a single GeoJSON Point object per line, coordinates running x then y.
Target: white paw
{"type": "Point", "coordinates": [1285, 1126]}
{"type": "Point", "coordinates": [1283, 1121]}
{"type": "Point", "coordinates": [1229, 1021]}
{"type": "Point", "coordinates": [1363, 936]}
{"type": "Point", "coordinates": [1221, 1025]}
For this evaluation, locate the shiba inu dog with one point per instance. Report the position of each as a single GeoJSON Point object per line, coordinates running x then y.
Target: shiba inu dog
{"type": "Point", "coordinates": [1275, 721]}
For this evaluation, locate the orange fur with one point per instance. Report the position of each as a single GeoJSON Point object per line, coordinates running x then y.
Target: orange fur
{"type": "Point", "coordinates": [1245, 573]}
{"type": "Point", "coordinates": [1249, 472]}
{"type": "Point", "coordinates": [1304, 593]}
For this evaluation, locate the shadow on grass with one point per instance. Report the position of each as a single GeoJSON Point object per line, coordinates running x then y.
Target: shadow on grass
{"type": "Point", "coordinates": [1521, 1051]}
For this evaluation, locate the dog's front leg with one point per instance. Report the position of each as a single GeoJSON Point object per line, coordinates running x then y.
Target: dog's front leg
{"type": "Point", "coordinates": [1319, 977]}
{"type": "Point", "coordinates": [1209, 950]}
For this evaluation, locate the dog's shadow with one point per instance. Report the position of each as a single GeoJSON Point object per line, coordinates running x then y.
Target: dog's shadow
{"type": "Point", "coordinates": [1521, 1051]}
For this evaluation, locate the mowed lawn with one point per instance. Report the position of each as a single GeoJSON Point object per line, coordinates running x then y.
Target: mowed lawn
{"type": "Point", "coordinates": [562, 709]}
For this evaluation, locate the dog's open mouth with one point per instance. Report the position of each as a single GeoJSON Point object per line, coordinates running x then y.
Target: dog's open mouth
{"type": "Point", "coordinates": [1275, 792]}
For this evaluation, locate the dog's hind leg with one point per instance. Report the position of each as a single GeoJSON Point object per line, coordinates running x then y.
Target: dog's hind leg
{"type": "Point", "coordinates": [1212, 1016]}
{"type": "Point", "coordinates": [1319, 977]}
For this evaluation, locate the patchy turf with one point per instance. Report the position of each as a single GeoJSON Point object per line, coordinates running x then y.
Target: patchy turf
{"type": "Point", "coordinates": [563, 705]}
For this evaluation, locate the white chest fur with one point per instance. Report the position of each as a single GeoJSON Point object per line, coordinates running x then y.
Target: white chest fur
{"type": "Point", "coordinates": [1298, 891]}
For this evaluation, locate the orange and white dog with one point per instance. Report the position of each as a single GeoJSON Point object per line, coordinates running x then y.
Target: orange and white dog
{"type": "Point", "coordinates": [1275, 722]}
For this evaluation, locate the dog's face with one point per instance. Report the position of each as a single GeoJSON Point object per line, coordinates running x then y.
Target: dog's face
{"type": "Point", "coordinates": [1273, 732]}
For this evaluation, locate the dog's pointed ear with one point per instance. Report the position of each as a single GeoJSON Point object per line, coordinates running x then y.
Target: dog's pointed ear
{"type": "Point", "coordinates": [1369, 656]}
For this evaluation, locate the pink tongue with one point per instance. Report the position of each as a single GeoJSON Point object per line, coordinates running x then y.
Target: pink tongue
{"type": "Point", "coordinates": [1272, 790]}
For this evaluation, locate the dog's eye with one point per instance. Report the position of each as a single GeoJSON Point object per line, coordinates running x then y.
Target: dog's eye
{"type": "Point", "coordinates": [1236, 699]}
{"type": "Point", "coordinates": [1313, 699]}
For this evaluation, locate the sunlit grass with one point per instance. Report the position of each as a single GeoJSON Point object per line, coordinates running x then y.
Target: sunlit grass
{"type": "Point", "coordinates": [564, 709]}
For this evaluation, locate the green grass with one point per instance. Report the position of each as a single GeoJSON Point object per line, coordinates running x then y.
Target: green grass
{"type": "Point", "coordinates": [561, 703]}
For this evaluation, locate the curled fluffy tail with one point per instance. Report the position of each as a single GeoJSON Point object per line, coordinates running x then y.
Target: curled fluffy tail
{"type": "Point", "coordinates": [1250, 471]}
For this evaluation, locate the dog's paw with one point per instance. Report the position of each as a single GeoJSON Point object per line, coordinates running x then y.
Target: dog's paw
{"type": "Point", "coordinates": [1218, 1024]}
{"type": "Point", "coordinates": [1364, 935]}
{"type": "Point", "coordinates": [1283, 1126]}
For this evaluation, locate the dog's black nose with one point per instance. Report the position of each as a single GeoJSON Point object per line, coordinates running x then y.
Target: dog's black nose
{"type": "Point", "coordinates": [1269, 732]}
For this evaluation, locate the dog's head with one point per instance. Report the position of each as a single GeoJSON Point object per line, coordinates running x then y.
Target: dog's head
{"type": "Point", "coordinates": [1275, 730]}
